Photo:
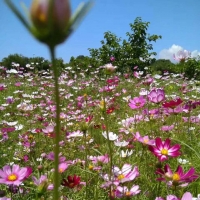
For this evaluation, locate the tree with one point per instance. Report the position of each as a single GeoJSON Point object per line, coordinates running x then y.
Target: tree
{"type": "Point", "coordinates": [136, 50]}
{"type": "Point", "coordinates": [12, 59]}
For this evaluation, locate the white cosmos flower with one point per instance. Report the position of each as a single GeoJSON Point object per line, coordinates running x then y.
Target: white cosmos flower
{"type": "Point", "coordinates": [111, 136]}
{"type": "Point", "coordinates": [182, 161]}
{"type": "Point", "coordinates": [19, 127]}
{"type": "Point", "coordinates": [11, 123]}
{"type": "Point", "coordinates": [143, 92]}
{"type": "Point", "coordinates": [157, 76]}
{"type": "Point", "coordinates": [121, 143]}
{"type": "Point", "coordinates": [126, 153]}
{"type": "Point", "coordinates": [12, 71]}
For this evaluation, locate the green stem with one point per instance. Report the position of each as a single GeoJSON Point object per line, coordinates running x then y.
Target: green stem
{"type": "Point", "coordinates": [57, 132]}
{"type": "Point", "coordinates": [109, 143]}
{"type": "Point", "coordinates": [86, 164]}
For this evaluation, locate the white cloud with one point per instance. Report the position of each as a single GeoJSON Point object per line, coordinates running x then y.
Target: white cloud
{"type": "Point", "coordinates": [195, 53]}
{"type": "Point", "coordinates": [168, 53]}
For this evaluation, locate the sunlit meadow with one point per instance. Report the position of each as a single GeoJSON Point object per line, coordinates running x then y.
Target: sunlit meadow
{"type": "Point", "coordinates": [122, 136]}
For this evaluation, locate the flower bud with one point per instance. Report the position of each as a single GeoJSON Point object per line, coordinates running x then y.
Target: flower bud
{"type": "Point", "coordinates": [50, 19]}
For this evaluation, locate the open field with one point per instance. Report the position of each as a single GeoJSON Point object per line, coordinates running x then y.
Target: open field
{"type": "Point", "coordinates": [122, 137]}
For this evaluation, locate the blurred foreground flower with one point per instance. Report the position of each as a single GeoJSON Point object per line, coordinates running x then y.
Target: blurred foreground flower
{"type": "Point", "coordinates": [50, 21]}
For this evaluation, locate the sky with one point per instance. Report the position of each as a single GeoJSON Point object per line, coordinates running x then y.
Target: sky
{"type": "Point", "coordinates": [177, 21]}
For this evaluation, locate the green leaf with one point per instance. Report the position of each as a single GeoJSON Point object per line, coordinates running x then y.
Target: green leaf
{"type": "Point", "coordinates": [18, 14]}
{"type": "Point", "coordinates": [78, 16]}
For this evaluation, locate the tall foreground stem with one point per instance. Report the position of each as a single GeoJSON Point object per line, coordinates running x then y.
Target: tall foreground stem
{"type": "Point", "coordinates": [57, 131]}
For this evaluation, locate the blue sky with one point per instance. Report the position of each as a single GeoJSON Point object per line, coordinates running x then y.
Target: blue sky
{"type": "Point", "coordinates": [177, 21]}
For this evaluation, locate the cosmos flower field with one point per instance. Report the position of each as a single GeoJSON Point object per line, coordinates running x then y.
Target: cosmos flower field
{"type": "Point", "coordinates": [122, 136]}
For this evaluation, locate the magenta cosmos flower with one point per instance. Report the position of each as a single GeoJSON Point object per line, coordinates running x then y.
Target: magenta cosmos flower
{"type": "Point", "coordinates": [156, 95]}
{"type": "Point", "coordinates": [14, 175]}
{"type": "Point", "coordinates": [137, 102]}
{"type": "Point", "coordinates": [178, 178]}
{"type": "Point", "coordinates": [173, 103]}
{"type": "Point", "coordinates": [162, 149]}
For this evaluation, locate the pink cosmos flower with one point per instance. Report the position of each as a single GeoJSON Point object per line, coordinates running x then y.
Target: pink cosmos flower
{"type": "Point", "coordinates": [51, 156]}
{"type": "Point", "coordinates": [125, 192]}
{"type": "Point", "coordinates": [186, 196]}
{"type": "Point", "coordinates": [5, 198]}
{"type": "Point", "coordinates": [62, 167]}
{"type": "Point", "coordinates": [178, 178]}
{"type": "Point", "coordinates": [2, 87]}
{"type": "Point", "coordinates": [182, 55]}
{"type": "Point", "coordinates": [145, 140]}
{"type": "Point", "coordinates": [49, 131]}
{"type": "Point", "coordinates": [162, 149]}
{"type": "Point", "coordinates": [156, 95]}
{"type": "Point", "coordinates": [42, 183]}
{"type": "Point", "coordinates": [175, 111]}
{"type": "Point", "coordinates": [99, 159]}
{"type": "Point", "coordinates": [126, 76]}
{"type": "Point", "coordinates": [136, 74]}
{"type": "Point", "coordinates": [14, 175]}
{"type": "Point", "coordinates": [167, 128]}
{"type": "Point", "coordinates": [112, 58]}
{"type": "Point", "coordinates": [109, 68]}
{"type": "Point", "coordinates": [18, 84]}
{"type": "Point", "coordinates": [137, 102]}
{"type": "Point", "coordinates": [126, 173]}
{"type": "Point", "coordinates": [148, 81]}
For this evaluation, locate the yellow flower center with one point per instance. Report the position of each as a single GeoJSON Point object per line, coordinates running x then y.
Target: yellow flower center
{"type": "Point", "coordinates": [176, 177]}
{"type": "Point", "coordinates": [12, 177]}
{"type": "Point", "coordinates": [164, 152]}
{"type": "Point", "coordinates": [151, 116]}
{"type": "Point", "coordinates": [128, 193]}
{"type": "Point", "coordinates": [41, 16]}
{"type": "Point", "coordinates": [138, 104]}
{"type": "Point", "coordinates": [146, 141]}
{"type": "Point", "coordinates": [91, 167]}
{"type": "Point", "coordinates": [102, 103]}
{"type": "Point", "coordinates": [120, 177]}
{"type": "Point", "coordinates": [61, 170]}
{"type": "Point", "coordinates": [30, 137]}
